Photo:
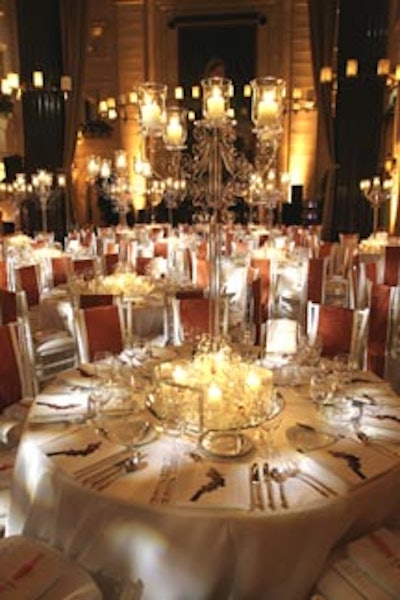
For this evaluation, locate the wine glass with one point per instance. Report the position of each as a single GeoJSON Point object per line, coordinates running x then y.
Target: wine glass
{"type": "Point", "coordinates": [128, 427]}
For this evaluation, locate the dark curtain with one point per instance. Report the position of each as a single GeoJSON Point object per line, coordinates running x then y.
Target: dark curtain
{"type": "Point", "coordinates": [74, 36]}
{"type": "Point", "coordinates": [359, 111]}
{"type": "Point", "coordinates": [323, 16]}
{"type": "Point", "coordinates": [43, 109]}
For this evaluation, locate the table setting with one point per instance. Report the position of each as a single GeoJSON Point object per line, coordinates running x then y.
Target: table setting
{"type": "Point", "coordinates": [108, 434]}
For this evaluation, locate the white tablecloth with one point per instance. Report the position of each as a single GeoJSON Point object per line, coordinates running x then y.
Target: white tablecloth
{"type": "Point", "coordinates": [214, 548]}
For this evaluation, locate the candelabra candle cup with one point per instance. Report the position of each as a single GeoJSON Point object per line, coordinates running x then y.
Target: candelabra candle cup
{"type": "Point", "coordinates": [152, 101]}
{"type": "Point", "coordinates": [267, 103]}
{"type": "Point", "coordinates": [175, 133]}
{"type": "Point", "coordinates": [216, 99]}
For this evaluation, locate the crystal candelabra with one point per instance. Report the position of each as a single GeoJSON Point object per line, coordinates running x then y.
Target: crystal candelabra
{"type": "Point", "coordinates": [217, 173]}
{"type": "Point", "coordinates": [15, 192]}
{"type": "Point", "coordinates": [377, 191]}
{"type": "Point", "coordinates": [112, 179]}
{"type": "Point", "coordinates": [42, 184]}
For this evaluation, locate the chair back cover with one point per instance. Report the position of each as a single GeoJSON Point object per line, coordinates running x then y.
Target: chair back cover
{"type": "Point", "coordinates": [100, 329]}
{"type": "Point", "coordinates": [61, 267]}
{"type": "Point", "coordinates": [28, 280]}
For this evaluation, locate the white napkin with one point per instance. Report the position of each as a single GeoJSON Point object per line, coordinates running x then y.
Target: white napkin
{"type": "Point", "coordinates": [344, 579]}
{"type": "Point", "coordinates": [55, 405]}
{"type": "Point", "coordinates": [381, 417]}
{"type": "Point", "coordinates": [378, 554]}
{"type": "Point", "coordinates": [352, 462]}
{"type": "Point", "coordinates": [79, 448]}
{"type": "Point", "coordinates": [28, 570]}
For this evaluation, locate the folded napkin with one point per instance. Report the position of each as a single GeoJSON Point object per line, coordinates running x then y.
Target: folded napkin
{"type": "Point", "coordinates": [352, 462]}
{"type": "Point", "coordinates": [344, 579]}
{"type": "Point", "coordinates": [54, 405]}
{"type": "Point", "coordinates": [381, 417]}
{"type": "Point", "coordinates": [79, 448]}
{"type": "Point", "coordinates": [204, 484]}
{"type": "Point", "coordinates": [29, 569]}
{"type": "Point", "coordinates": [378, 554]}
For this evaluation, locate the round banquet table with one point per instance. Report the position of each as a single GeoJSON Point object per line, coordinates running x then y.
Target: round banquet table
{"type": "Point", "coordinates": [137, 541]}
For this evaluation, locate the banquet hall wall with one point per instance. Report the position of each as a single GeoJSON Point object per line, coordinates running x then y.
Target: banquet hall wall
{"type": "Point", "coordinates": [129, 42]}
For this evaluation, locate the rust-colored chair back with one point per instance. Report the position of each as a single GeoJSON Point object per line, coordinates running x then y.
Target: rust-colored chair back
{"type": "Point", "coordinates": [161, 249]}
{"type": "Point", "coordinates": [261, 289]}
{"type": "Point", "coordinates": [8, 306]}
{"type": "Point", "coordinates": [392, 265]}
{"type": "Point", "coordinates": [143, 264]}
{"type": "Point", "coordinates": [11, 367]}
{"type": "Point", "coordinates": [61, 269]}
{"type": "Point", "coordinates": [194, 316]}
{"type": "Point", "coordinates": [335, 328]}
{"type": "Point", "coordinates": [92, 300]}
{"type": "Point", "coordinates": [110, 262]}
{"type": "Point", "coordinates": [316, 279]}
{"type": "Point", "coordinates": [84, 266]}
{"type": "Point", "coordinates": [341, 330]}
{"type": "Point", "coordinates": [202, 273]}
{"type": "Point", "coordinates": [28, 278]}
{"type": "Point", "coordinates": [3, 275]}
{"type": "Point", "coordinates": [378, 328]}
{"type": "Point", "coordinates": [103, 329]}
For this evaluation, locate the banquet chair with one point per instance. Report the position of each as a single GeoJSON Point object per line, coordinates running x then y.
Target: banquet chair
{"type": "Point", "coordinates": [61, 269]}
{"type": "Point", "coordinates": [100, 328]}
{"type": "Point", "coordinates": [17, 386]}
{"type": "Point", "coordinates": [49, 351]}
{"type": "Point", "coordinates": [316, 279]}
{"type": "Point", "coordinates": [261, 295]}
{"type": "Point", "coordinates": [110, 262]}
{"type": "Point", "coordinates": [191, 317]}
{"type": "Point", "coordinates": [52, 574]}
{"type": "Point", "coordinates": [161, 248]}
{"type": "Point", "coordinates": [3, 274]}
{"type": "Point", "coordinates": [392, 265]}
{"type": "Point", "coordinates": [202, 270]}
{"type": "Point", "coordinates": [143, 264]}
{"type": "Point", "coordinates": [86, 267]}
{"type": "Point", "coordinates": [362, 568]}
{"type": "Point", "coordinates": [382, 323]}
{"type": "Point", "coordinates": [282, 336]}
{"type": "Point", "coordinates": [92, 300]}
{"type": "Point", "coordinates": [28, 279]}
{"type": "Point", "coordinates": [341, 330]}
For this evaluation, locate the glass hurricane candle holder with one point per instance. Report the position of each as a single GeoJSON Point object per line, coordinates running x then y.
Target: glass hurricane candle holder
{"type": "Point", "coordinates": [268, 95]}
{"type": "Point", "coordinates": [175, 132]}
{"type": "Point", "coordinates": [152, 101]}
{"type": "Point", "coordinates": [216, 99]}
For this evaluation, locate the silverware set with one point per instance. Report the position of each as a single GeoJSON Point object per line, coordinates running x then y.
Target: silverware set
{"type": "Point", "coordinates": [104, 472]}
{"type": "Point", "coordinates": [268, 489]}
{"type": "Point", "coordinates": [164, 486]}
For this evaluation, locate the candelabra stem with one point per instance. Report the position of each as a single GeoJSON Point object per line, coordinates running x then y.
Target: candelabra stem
{"type": "Point", "coordinates": [43, 206]}
{"type": "Point", "coordinates": [375, 213]}
{"type": "Point", "coordinates": [215, 237]}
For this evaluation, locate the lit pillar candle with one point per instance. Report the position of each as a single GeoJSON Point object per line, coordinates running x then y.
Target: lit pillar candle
{"type": "Point", "coordinates": [253, 382]}
{"type": "Point", "coordinates": [267, 110]}
{"type": "Point", "coordinates": [214, 394]}
{"type": "Point", "coordinates": [215, 104]}
{"type": "Point", "coordinates": [151, 114]}
{"type": "Point", "coordinates": [37, 79]}
{"type": "Point", "coordinates": [174, 132]}
{"type": "Point", "coordinates": [179, 375]}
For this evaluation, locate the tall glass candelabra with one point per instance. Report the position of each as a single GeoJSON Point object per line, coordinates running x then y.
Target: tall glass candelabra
{"type": "Point", "coordinates": [377, 191]}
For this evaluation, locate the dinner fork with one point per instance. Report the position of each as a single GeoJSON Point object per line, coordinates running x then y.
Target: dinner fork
{"type": "Point", "coordinates": [268, 481]}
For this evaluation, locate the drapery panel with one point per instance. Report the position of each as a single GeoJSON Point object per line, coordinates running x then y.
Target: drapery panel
{"type": "Point", "coordinates": [323, 18]}
{"type": "Point", "coordinates": [74, 36]}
